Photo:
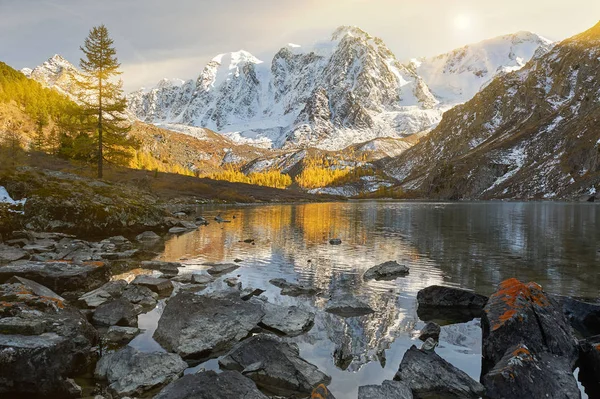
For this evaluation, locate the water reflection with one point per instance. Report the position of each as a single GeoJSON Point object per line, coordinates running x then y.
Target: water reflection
{"type": "Point", "coordinates": [472, 245]}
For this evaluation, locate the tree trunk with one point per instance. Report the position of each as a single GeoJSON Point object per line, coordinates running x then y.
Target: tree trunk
{"type": "Point", "coordinates": [100, 155]}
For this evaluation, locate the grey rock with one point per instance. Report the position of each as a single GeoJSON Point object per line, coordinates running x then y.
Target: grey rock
{"type": "Point", "coordinates": [130, 372]}
{"type": "Point", "coordinates": [589, 365]}
{"type": "Point", "coordinates": [11, 254]}
{"type": "Point", "coordinates": [335, 241]}
{"type": "Point", "coordinates": [121, 335]}
{"type": "Point", "coordinates": [290, 321]}
{"type": "Point", "coordinates": [140, 295]}
{"type": "Point", "coordinates": [293, 289]}
{"type": "Point", "coordinates": [348, 306]}
{"type": "Point", "coordinates": [386, 271]}
{"type": "Point", "coordinates": [431, 330]}
{"type": "Point", "coordinates": [147, 236]}
{"type": "Point", "coordinates": [232, 282]}
{"type": "Point", "coordinates": [186, 225]}
{"type": "Point", "coordinates": [200, 327]}
{"type": "Point", "coordinates": [210, 385]}
{"type": "Point", "coordinates": [439, 296]}
{"type": "Point", "coordinates": [522, 374]}
{"type": "Point", "coordinates": [18, 325]}
{"type": "Point", "coordinates": [161, 286]}
{"type": "Point", "coordinates": [115, 312]}
{"type": "Point", "coordinates": [110, 290]}
{"type": "Point", "coordinates": [221, 268]}
{"type": "Point", "coordinates": [202, 279]}
{"type": "Point", "coordinates": [431, 377]}
{"type": "Point", "coordinates": [169, 269]}
{"type": "Point", "coordinates": [66, 279]}
{"type": "Point", "coordinates": [583, 316]}
{"type": "Point", "coordinates": [36, 288]}
{"type": "Point", "coordinates": [275, 366]}
{"type": "Point", "coordinates": [387, 390]}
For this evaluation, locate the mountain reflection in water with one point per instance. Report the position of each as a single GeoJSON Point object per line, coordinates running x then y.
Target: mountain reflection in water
{"type": "Point", "coordinates": [469, 245]}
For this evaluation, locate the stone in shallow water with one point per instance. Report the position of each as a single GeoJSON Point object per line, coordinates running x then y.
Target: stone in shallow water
{"type": "Point", "coordinates": [293, 289]}
{"type": "Point", "coordinates": [386, 271]}
{"type": "Point", "coordinates": [429, 376]}
{"type": "Point", "coordinates": [290, 321]}
{"type": "Point", "coordinates": [387, 390]}
{"type": "Point", "coordinates": [584, 317]}
{"type": "Point", "coordinates": [275, 366]}
{"type": "Point", "coordinates": [210, 385]}
{"type": "Point", "coordinates": [348, 307]}
{"type": "Point", "coordinates": [116, 312]}
{"type": "Point", "coordinates": [120, 335]}
{"type": "Point", "coordinates": [200, 327]}
{"type": "Point", "coordinates": [431, 330]}
{"type": "Point", "coordinates": [169, 269]}
{"type": "Point", "coordinates": [439, 296]}
{"type": "Point", "coordinates": [140, 295]}
{"type": "Point", "coordinates": [220, 269]}
{"type": "Point", "coordinates": [335, 241]}
{"type": "Point", "coordinates": [147, 236]}
{"type": "Point", "coordinates": [130, 372]}
{"type": "Point", "coordinates": [161, 286]}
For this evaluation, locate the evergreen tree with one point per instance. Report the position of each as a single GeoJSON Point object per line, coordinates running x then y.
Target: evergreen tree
{"type": "Point", "coordinates": [102, 98]}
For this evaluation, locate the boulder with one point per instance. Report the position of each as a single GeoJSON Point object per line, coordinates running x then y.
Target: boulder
{"type": "Point", "coordinates": [523, 313]}
{"type": "Point", "coordinates": [115, 312]}
{"type": "Point", "coordinates": [584, 317]}
{"type": "Point", "coordinates": [387, 390]}
{"type": "Point", "coordinates": [120, 335]}
{"type": "Point", "coordinates": [275, 366]}
{"type": "Point", "coordinates": [130, 372]}
{"type": "Point", "coordinates": [169, 269]}
{"type": "Point", "coordinates": [140, 295]}
{"type": "Point", "coordinates": [202, 279]}
{"type": "Point", "coordinates": [65, 278]}
{"type": "Point", "coordinates": [220, 269]}
{"type": "Point", "coordinates": [284, 320]}
{"type": "Point", "coordinates": [431, 330]}
{"type": "Point", "coordinates": [199, 327]}
{"type": "Point", "coordinates": [522, 374]}
{"type": "Point", "coordinates": [348, 306]}
{"type": "Point", "coordinates": [161, 286]}
{"type": "Point", "coordinates": [147, 236]}
{"type": "Point", "coordinates": [438, 296]}
{"type": "Point", "coordinates": [431, 377]}
{"type": "Point", "coordinates": [43, 342]}
{"type": "Point", "coordinates": [10, 254]}
{"type": "Point", "coordinates": [210, 385]}
{"type": "Point", "coordinates": [386, 271]}
{"type": "Point", "coordinates": [293, 289]}
{"type": "Point", "coordinates": [95, 298]}
{"type": "Point", "coordinates": [589, 365]}
{"type": "Point", "coordinates": [446, 316]}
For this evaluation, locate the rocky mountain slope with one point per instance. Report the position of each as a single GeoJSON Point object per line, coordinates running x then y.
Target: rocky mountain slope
{"type": "Point", "coordinates": [532, 133]}
{"type": "Point", "coordinates": [348, 90]}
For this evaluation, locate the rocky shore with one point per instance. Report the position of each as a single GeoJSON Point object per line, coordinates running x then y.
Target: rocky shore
{"type": "Point", "coordinates": [66, 318]}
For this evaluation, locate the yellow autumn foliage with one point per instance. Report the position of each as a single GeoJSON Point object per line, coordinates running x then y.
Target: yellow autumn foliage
{"type": "Point", "coordinates": [270, 178]}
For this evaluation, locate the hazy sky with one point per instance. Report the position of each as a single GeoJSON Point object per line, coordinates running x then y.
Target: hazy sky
{"type": "Point", "coordinates": [175, 38]}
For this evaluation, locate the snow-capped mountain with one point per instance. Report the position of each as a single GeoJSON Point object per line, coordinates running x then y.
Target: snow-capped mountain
{"type": "Point", "coordinates": [457, 76]}
{"type": "Point", "coordinates": [528, 134]}
{"type": "Point", "coordinates": [57, 73]}
{"type": "Point", "coordinates": [346, 90]}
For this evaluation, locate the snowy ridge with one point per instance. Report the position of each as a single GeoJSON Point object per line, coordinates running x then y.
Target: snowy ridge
{"type": "Point", "coordinates": [335, 93]}
{"type": "Point", "coordinates": [56, 73]}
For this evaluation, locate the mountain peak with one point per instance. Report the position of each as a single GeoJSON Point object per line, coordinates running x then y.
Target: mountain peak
{"type": "Point", "coordinates": [346, 30]}
{"type": "Point", "coordinates": [592, 34]}
{"type": "Point", "coordinates": [235, 58]}
{"type": "Point", "coordinates": [58, 59]}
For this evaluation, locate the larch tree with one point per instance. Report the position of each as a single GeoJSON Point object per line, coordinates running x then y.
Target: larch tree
{"type": "Point", "coordinates": [101, 96]}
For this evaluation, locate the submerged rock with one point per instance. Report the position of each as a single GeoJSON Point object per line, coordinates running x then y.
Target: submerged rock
{"type": "Point", "coordinates": [64, 278]}
{"type": "Point", "coordinates": [169, 269]}
{"type": "Point", "coordinates": [431, 377]}
{"type": "Point", "coordinates": [210, 385]}
{"type": "Point", "coordinates": [293, 289]}
{"type": "Point", "coordinates": [120, 335]}
{"type": "Point", "coordinates": [348, 307]}
{"type": "Point", "coordinates": [521, 374]}
{"type": "Point", "coordinates": [220, 269]}
{"type": "Point", "coordinates": [161, 286]}
{"type": "Point", "coordinates": [130, 372]}
{"type": "Point", "coordinates": [275, 366]}
{"type": "Point", "coordinates": [290, 321]}
{"type": "Point", "coordinates": [387, 390]}
{"type": "Point", "coordinates": [199, 327]}
{"type": "Point", "coordinates": [386, 271]}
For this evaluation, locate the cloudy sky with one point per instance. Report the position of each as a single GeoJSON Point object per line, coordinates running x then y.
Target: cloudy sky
{"type": "Point", "coordinates": [175, 38]}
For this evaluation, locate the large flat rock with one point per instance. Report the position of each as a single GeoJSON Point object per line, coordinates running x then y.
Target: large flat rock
{"type": "Point", "coordinates": [210, 385]}
{"type": "Point", "coordinates": [275, 366]}
{"type": "Point", "coordinates": [386, 271]}
{"type": "Point", "coordinates": [199, 327]}
{"type": "Point", "coordinates": [287, 320]}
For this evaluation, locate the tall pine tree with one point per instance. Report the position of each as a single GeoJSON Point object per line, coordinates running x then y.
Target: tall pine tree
{"type": "Point", "coordinates": [102, 97]}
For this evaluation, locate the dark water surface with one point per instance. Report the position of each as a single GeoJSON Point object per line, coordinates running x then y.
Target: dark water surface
{"type": "Point", "coordinates": [469, 245]}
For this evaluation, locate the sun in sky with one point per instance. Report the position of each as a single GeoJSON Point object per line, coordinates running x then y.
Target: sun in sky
{"type": "Point", "coordinates": [463, 22]}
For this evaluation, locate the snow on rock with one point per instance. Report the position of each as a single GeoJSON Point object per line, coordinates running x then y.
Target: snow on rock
{"type": "Point", "coordinates": [5, 198]}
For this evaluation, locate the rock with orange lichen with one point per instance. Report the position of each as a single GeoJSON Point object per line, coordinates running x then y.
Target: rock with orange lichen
{"type": "Point", "coordinates": [69, 279]}
{"type": "Point", "coordinates": [43, 342]}
{"type": "Point", "coordinates": [589, 365]}
{"type": "Point", "coordinates": [519, 313]}
{"type": "Point", "coordinates": [523, 374]}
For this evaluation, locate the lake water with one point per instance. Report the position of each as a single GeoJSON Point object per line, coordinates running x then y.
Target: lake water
{"type": "Point", "coordinates": [469, 245]}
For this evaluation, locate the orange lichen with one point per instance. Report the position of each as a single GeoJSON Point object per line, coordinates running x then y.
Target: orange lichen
{"type": "Point", "coordinates": [60, 304]}
{"type": "Point", "coordinates": [94, 263]}
{"type": "Point", "coordinates": [6, 304]}
{"type": "Point", "coordinates": [521, 351]}
{"type": "Point", "coordinates": [598, 347]}
{"type": "Point", "coordinates": [319, 392]}
{"type": "Point", "coordinates": [510, 292]}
